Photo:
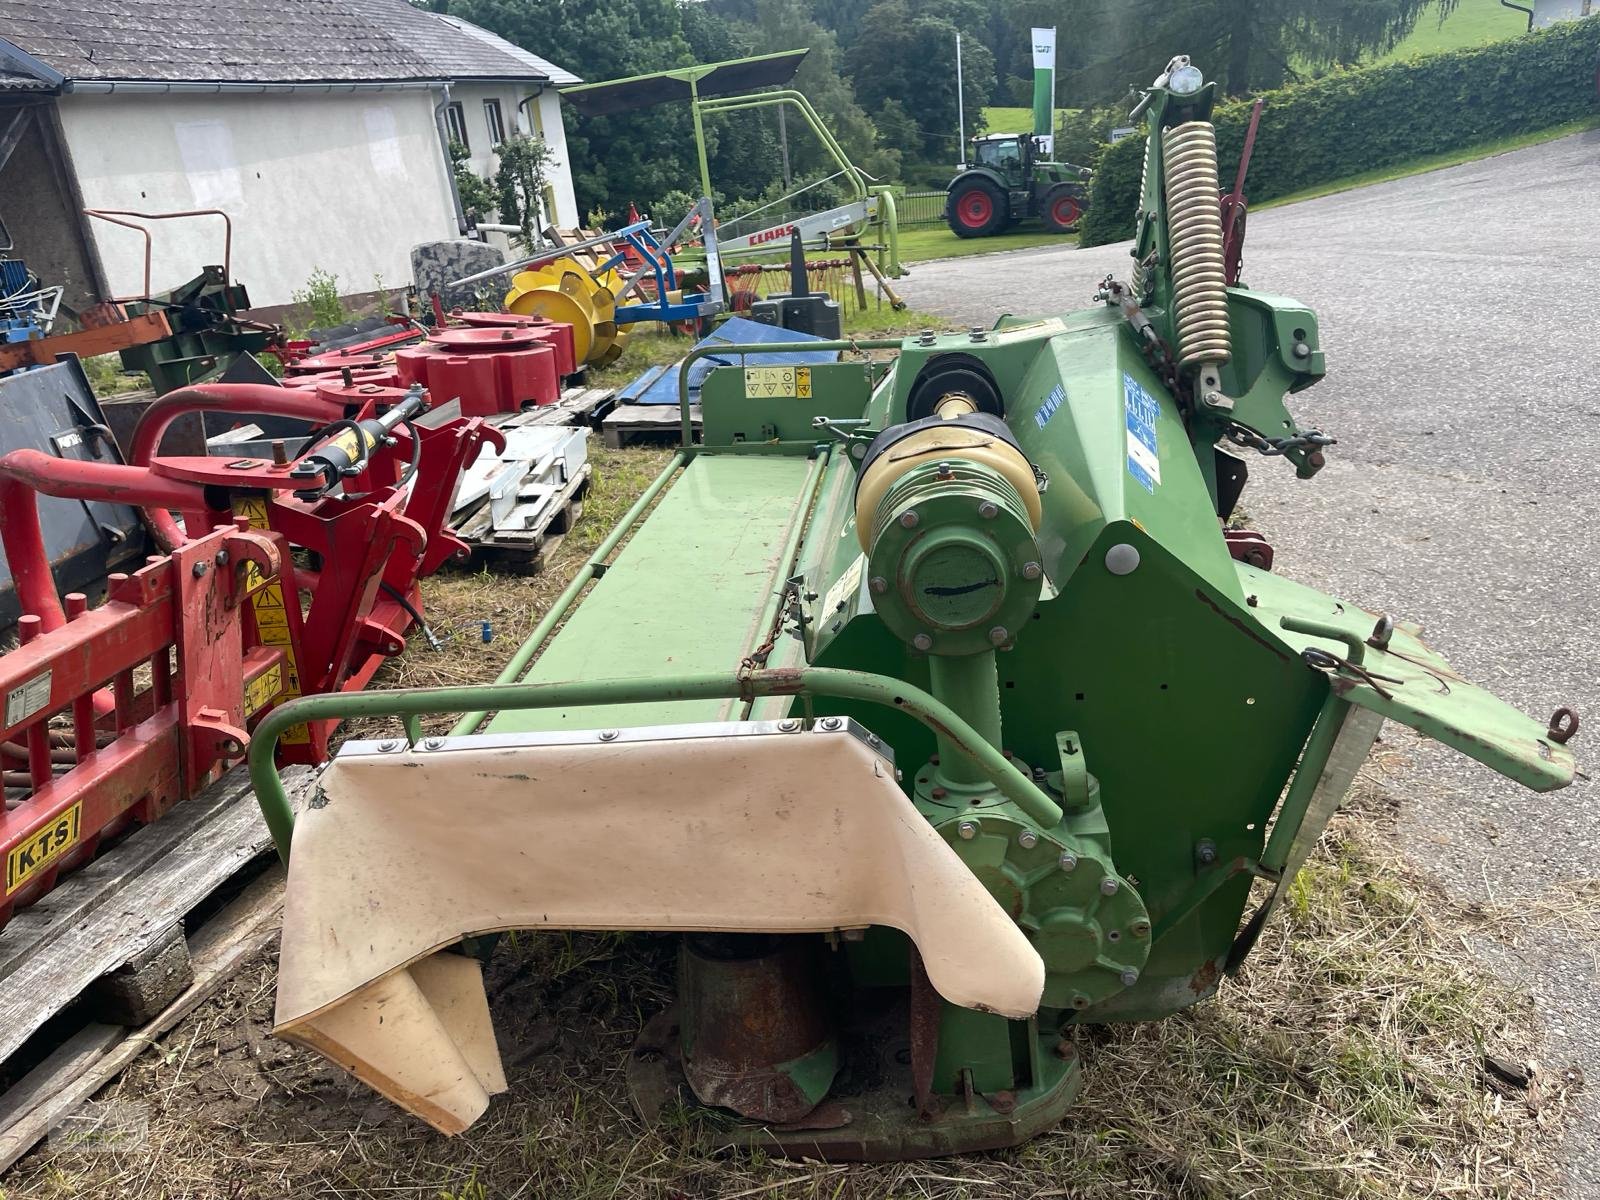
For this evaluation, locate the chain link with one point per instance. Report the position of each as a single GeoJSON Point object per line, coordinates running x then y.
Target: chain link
{"type": "Point", "coordinates": [1243, 435]}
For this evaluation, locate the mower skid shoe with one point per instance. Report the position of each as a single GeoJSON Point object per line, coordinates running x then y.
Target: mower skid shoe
{"type": "Point", "coordinates": [733, 827]}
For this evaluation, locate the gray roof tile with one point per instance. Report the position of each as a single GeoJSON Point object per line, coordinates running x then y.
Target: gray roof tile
{"type": "Point", "coordinates": [261, 41]}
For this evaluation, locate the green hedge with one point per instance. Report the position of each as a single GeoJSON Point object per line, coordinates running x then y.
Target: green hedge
{"type": "Point", "coordinates": [1368, 119]}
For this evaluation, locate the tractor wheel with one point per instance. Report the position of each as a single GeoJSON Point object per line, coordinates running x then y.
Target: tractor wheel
{"type": "Point", "coordinates": [1062, 210]}
{"type": "Point", "coordinates": [976, 208]}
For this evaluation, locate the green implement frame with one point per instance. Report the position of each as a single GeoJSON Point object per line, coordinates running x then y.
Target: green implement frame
{"type": "Point", "coordinates": [725, 87]}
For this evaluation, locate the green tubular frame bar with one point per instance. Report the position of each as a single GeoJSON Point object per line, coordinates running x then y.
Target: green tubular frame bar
{"type": "Point", "coordinates": [797, 100]}
{"type": "Point", "coordinates": [591, 568]}
{"type": "Point", "coordinates": [805, 681]}
{"type": "Point", "coordinates": [835, 151]}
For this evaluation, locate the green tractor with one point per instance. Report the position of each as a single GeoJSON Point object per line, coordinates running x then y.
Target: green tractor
{"type": "Point", "coordinates": [1007, 181]}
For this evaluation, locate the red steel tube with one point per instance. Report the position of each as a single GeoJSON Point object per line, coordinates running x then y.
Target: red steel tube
{"type": "Point", "coordinates": [216, 397]}
{"type": "Point", "coordinates": [26, 473]}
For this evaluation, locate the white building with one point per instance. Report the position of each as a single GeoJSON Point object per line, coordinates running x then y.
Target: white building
{"type": "Point", "coordinates": [319, 126]}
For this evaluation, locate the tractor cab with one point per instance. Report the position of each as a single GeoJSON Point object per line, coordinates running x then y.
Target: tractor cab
{"type": "Point", "coordinates": [1008, 154]}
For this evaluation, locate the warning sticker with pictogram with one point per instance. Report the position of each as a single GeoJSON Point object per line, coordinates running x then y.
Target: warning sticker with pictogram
{"type": "Point", "coordinates": [791, 382]}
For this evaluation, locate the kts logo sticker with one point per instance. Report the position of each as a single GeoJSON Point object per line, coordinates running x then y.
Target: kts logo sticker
{"type": "Point", "coordinates": [42, 847]}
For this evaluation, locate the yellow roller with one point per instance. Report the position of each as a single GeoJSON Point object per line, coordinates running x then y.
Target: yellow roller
{"type": "Point", "coordinates": [562, 290]}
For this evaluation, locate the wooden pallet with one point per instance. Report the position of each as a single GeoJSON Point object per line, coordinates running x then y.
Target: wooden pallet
{"type": "Point", "coordinates": [646, 425]}
{"type": "Point", "coordinates": [129, 903]}
{"type": "Point", "coordinates": [577, 406]}
{"type": "Point", "coordinates": [524, 551]}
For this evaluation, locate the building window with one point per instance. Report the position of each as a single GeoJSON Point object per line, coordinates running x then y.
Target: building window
{"type": "Point", "coordinates": [455, 120]}
{"type": "Point", "coordinates": [549, 204]}
{"type": "Point", "coordinates": [492, 118]}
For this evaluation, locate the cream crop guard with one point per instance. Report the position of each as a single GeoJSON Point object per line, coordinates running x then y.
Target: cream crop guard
{"type": "Point", "coordinates": [724, 828]}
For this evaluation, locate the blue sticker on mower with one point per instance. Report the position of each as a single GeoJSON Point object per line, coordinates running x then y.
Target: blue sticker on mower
{"type": "Point", "coordinates": [1144, 456]}
{"type": "Point", "coordinates": [1051, 404]}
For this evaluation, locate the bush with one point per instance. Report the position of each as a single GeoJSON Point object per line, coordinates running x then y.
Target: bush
{"type": "Point", "coordinates": [1365, 120]}
{"type": "Point", "coordinates": [1082, 135]}
{"type": "Point", "coordinates": [477, 197]}
{"type": "Point", "coordinates": [318, 305]}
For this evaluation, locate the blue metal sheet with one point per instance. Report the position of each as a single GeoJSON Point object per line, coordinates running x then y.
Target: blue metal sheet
{"type": "Point", "coordinates": [659, 385]}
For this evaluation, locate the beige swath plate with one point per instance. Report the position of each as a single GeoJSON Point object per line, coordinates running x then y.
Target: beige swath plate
{"type": "Point", "coordinates": [725, 828]}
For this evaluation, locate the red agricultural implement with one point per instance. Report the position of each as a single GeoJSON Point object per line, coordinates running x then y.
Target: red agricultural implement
{"type": "Point", "coordinates": [282, 575]}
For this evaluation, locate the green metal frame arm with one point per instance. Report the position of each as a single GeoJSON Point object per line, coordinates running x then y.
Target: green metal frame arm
{"type": "Point", "coordinates": [700, 352]}
{"type": "Point", "coordinates": [798, 100]}
{"type": "Point", "coordinates": [801, 681]}
{"type": "Point", "coordinates": [891, 226]}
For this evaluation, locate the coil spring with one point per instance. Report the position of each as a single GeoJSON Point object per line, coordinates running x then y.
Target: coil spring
{"type": "Point", "coordinates": [1194, 232]}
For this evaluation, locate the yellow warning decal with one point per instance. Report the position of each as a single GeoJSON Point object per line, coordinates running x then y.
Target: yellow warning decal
{"type": "Point", "coordinates": [42, 847]}
{"type": "Point", "coordinates": [263, 690]}
{"type": "Point", "coordinates": [272, 623]}
{"type": "Point", "coordinates": [793, 382]}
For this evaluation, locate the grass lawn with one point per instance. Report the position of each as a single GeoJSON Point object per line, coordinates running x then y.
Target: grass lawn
{"type": "Point", "coordinates": [935, 241]}
{"type": "Point", "coordinates": [1473, 23]}
{"type": "Point", "coordinates": [999, 118]}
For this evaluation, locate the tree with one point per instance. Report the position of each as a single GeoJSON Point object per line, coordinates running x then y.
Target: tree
{"type": "Point", "coordinates": [788, 25]}
{"type": "Point", "coordinates": [741, 148]}
{"type": "Point", "coordinates": [907, 54]}
{"type": "Point", "coordinates": [628, 157]}
{"type": "Point", "coordinates": [519, 187]}
{"type": "Point", "coordinates": [477, 197]}
{"type": "Point", "coordinates": [1246, 44]}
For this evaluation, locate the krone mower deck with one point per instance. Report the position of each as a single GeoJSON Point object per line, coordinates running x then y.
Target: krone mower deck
{"type": "Point", "coordinates": [933, 707]}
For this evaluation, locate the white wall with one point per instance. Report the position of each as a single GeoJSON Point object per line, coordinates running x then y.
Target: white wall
{"type": "Point", "coordinates": [345, 182]}
{"type": "Point", "coordinates": [546, 124]}
{"type": "Point", "coordinates": [555, 136]}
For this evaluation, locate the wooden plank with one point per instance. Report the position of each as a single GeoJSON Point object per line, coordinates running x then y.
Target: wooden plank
{"type": "Point", "coordinates": [635, 424]}
{"type": "Point", "coordinates": [140, 909]}
{"type": "Point", "coordinates": [81, 893]}
{"type": "Point", "coordinates": [219, 949]}
{"type": "Point", "coordinates": [69, 1060]}
{"type": "Point", "coordinates": [577, 406]}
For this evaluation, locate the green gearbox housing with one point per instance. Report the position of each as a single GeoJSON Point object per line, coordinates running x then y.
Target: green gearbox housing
{"type": "Point", "coordinates": [952, 561]}
{"type": "Point", "coordinates": [996, 576]}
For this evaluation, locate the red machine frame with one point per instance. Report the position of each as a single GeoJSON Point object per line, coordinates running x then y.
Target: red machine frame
{"type": "Point", "coordinates": [112, 714]}
{"type": "Point", "coordinates": [180, 668]}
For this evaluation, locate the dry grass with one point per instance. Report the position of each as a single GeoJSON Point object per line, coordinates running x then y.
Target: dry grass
{"type": "Point", "coordinates": [1346, 1062]}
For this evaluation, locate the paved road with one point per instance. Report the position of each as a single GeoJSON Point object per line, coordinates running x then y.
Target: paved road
{"type": "Point", "coordinates": [1461, 315]}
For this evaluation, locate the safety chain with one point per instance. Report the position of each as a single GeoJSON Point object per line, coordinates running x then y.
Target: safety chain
{"type": "Point", "coordinates": [1243, 435]}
